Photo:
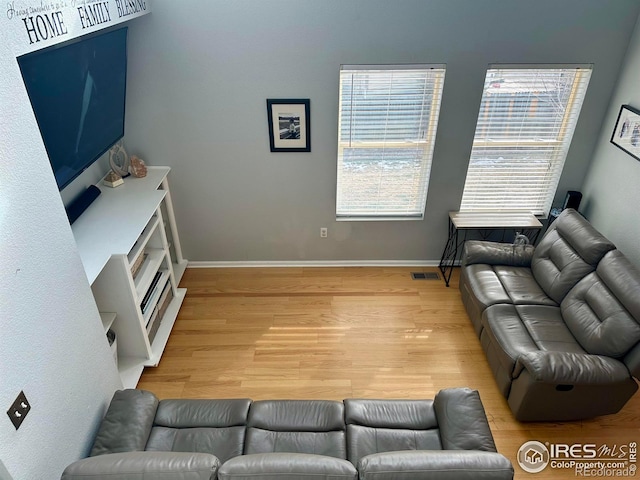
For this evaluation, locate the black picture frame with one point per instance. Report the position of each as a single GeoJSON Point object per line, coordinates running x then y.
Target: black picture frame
{"type": "Point", "coordinates": [626, 133]}
{"type": "Point", "coordinates": [289, 124]}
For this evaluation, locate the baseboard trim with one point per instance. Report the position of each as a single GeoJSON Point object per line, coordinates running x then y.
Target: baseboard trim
{"type": "Point", "coordinates": [316, 263]}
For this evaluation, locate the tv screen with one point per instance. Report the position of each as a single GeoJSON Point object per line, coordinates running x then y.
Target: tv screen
{"type": "Point", "coordinates": [77, 92]}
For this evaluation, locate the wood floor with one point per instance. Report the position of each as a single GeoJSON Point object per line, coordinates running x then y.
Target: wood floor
{"type": "Point", "coordinates": [335, 333]}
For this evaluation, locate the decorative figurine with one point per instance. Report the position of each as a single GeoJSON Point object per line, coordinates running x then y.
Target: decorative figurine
{"type": "Point", "coordinates": [113, 179]}
{"type": "Point", "coordinates": [138, 168]}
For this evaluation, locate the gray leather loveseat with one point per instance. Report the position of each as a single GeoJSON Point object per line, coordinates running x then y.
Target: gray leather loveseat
{"type": "Point", "coordinates": [559, 323]}
{"type": "Point", "coordinates": [143, 438]}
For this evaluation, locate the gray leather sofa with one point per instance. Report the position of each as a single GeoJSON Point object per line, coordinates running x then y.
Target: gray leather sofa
{"type": "Point", "coordinates": [559, 323]}
{"type": "Point", "coordinates": [143, 438]}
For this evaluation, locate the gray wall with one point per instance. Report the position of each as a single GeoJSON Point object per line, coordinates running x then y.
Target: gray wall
{"type": "Point", "coordinates": [199, 74]}
{"type": "Point", "coordinates": [612, 189]}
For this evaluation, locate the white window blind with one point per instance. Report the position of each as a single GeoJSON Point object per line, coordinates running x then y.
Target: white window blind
{"type": "Point", "coordinates": [387, 126]}
{"type": "Point", "coordinates": [526, 121]}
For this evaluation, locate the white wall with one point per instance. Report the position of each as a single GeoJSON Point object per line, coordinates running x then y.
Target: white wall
{"type": "Point", "coordinates": [612, 188]}
{"type": "Point", "coordinates": [51, 341]}
{"type": "Point", "coordinates": [200, 73]}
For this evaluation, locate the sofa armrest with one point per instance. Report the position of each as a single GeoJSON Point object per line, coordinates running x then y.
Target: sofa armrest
{"type": "Point", "coordinates": [632, 360]}
{"type": "Point", "coordinates": [494, 253]}
{"type": "Point", "coordinates": [435, 465]}
{"type": "Point", "coordinates": [462, 421]}
{"type": "Point", "coordinates": [147, 465]}
{"type": "Point", "coordinates": [571, 368]}
{"type": "Point", "coordinates": [127, 424]}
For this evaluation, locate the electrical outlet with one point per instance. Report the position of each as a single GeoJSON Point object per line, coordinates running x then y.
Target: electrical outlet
{"type": "Point", "coordinates": [19, 410]}
{"type": "Point", "coordinates": [323, 232]}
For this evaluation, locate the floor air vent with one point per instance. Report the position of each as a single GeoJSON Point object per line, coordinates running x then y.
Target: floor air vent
{"type": "Point", "coordinates": [425, 276]}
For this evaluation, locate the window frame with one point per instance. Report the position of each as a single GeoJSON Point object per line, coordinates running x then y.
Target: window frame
{"type": "Point", "coordinates": [428, 141]}
{"type": "Point", "coordinates": [559, 147]}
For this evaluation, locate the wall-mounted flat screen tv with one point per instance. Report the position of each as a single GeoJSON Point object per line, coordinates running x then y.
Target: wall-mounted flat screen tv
{"type": "Point", "coordinates": [77, 91]}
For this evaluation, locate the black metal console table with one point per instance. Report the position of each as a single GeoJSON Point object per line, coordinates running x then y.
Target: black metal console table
{"type": "Point", "coordinates": [485, 223]}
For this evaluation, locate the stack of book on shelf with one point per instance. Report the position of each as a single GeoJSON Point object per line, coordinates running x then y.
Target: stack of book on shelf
{"type": "Point", "coordinates": [135, 268]}
{"type": "Point", "coordinates": [160, 307]}
{"type": "Point", "coordinates": [150, 292]}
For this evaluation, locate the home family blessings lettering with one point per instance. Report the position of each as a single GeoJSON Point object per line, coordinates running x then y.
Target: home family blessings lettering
{"type": "Point", "coordinates": [46, 20]}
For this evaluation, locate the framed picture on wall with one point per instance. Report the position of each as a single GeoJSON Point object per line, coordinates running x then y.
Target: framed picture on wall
{"type": "Point", "coordinates": [289, 125]}
{"type": "Point", "coordinates": [626, 134]}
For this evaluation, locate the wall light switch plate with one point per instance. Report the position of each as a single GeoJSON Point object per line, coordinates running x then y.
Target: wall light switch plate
{"type": "Point", "coordinates": [19, 410]}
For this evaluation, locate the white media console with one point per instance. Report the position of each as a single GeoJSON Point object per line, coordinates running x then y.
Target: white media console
{"type": "Point", "coordinates": [130, 249]}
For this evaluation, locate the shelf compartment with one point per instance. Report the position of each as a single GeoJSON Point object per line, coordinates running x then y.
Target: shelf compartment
{"type": "Point", "coordinates": [152, 325]}
{"type": "Point", "coordinates": [165, 299]}
{"type": "Point", "coordinates": [162, 336]}
{"type": "Point", "coordinates": [107, 319]}
{"type": "Point", "coordinates": [135, 268]}
{"type": "Point", "coordinates": [159, 310]}
{"type": "Point", "coordinates": [155, 257]}
{"type": "Point", "coordinates": [138, 248]}
{"type": "Point", "coordinates": [130, 370]}
{"type": "Point", "coordinates": [155, 295]}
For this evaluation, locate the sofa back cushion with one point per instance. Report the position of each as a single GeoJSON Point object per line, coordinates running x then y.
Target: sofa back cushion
{"type": "Point", "coordinates": [569, 251]}
{"type": "Point", "coordinates": [603, 310]}
{"type": "Point", "coordinates": [376, 426]}
{"type": "Point", "coordinates": [127, 423]}
{"type": "Point", "coordinates": [202, 426]}
{"type": "Point", "coordinates": [296, 426]}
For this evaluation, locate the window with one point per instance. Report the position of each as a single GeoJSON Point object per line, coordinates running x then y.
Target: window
{"type": "Point", "coordinates": [387, 127]}
{"type": "Point", "coordinates": [525, 125]}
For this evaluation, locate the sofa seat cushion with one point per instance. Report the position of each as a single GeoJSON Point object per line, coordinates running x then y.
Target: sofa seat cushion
{"type": "Point", "coordinates": [143, 466]}
{"type": "Point", "coordinates": [521, 287]}
{"type": "Point", "coordinates": [485, 285]}
{"type": "Point", "coordinates": [603, 309]}
{"type": "Point", "coordinates": [375, 426]}
{"type": "Point", "coordinates": [428, 465]}
{"type": "Point", "coordinates": [366, 440]}
{"type": "Point", "coordinates": [507, 335]}
{"type": "Point", "coordinates": [514, 330]}
{"type": "Point", "coordinates": [547, 329]}
{"type": "Point", "coordinates": [292, 466]}
{"type": "Point", "coordinates": [204, 426]}
{"type": "Point", "coordinates": [493, 285]}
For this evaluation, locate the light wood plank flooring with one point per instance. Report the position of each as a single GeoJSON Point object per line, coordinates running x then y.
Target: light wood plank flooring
{"type": "Point", "coordinates": [335, 333]}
